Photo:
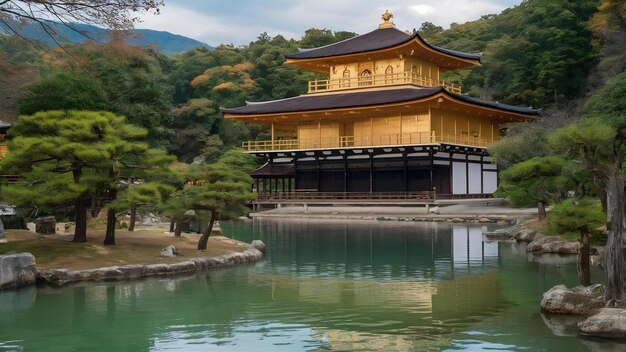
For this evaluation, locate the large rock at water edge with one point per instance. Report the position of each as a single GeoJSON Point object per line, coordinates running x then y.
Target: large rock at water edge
{"type": "Point", "coordinates": [577, 300]}
{"type": "Point", "coordinates": [17, 270]}
{"type": "Point", "coordinates": [169, 251]}
{"type": "Point", "coordinates": [259, 245]}
{"type": "Point", "coordinates": [45, 225]}
{"type": "Point", "coordinates": [552, 244]}
{"type": "Point", "coordinates": [608, 322]}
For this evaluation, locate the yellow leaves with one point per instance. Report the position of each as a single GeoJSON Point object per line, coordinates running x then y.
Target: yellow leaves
{"type": "Point", "coordinates": [227, 77]}
{"type": "Point", "coordinates": [199, 80]}
{"type": "Point", "coordinates": [225, 86]}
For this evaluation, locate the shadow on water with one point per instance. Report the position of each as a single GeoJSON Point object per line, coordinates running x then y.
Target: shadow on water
{"type": "Point", "coordinates": [322, 286]}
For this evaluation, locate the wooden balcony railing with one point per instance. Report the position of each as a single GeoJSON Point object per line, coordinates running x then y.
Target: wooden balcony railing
{"type": "Point", "coordinates": [324, 85]}
{"type": "Point", "coordinates": [368, 141]}
{"type": "Point", "coordinates": [344, 196]}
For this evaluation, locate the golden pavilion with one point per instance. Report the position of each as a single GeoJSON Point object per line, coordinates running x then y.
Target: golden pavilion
{"type": "Point", "coordinates": [382, 123]}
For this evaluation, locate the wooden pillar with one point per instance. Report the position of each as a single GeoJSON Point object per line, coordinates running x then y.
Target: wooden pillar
{"type": "Point", "coordinates": [406, 171]}
{"type": "Point", "coordinates": [289, 184]}
{"type": "Point", "coordinates": [257, 185]}
{"type": "Point", "coordinates": [467, 190]}
{"type": "Point", "coordinates": [371, 173]}
{"type": "Point", "coordinates": [431, 155]}
{"type": "Point", "coordinates": [482, 171]}
{"type": "Point", "coordinates": [451, 172]}
{"type": "Point", "coordinates": [295, 173]}
{"type": "Point", "coordinates": [275, 184]}
{"type": "Point", "coordinates": [345, 174]}
{"type": "Point", "coordinates": [319, 181]}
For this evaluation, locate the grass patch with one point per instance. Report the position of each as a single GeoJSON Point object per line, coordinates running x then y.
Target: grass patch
{"type": "Point", "coordinates": [46, 249]}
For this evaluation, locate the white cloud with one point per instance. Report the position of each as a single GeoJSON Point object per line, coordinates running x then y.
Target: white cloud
{"type": "Point", "coordinates": [241, 21]}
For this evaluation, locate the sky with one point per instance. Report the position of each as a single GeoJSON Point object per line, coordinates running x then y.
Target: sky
{"type": "Point", "coordinates": [239, 22]}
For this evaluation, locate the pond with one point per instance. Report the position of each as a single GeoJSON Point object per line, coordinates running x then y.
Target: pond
{"type": "Point", "coordinates": [333, 285]}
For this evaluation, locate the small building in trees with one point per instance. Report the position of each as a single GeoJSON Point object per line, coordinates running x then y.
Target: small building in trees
{"type": "Point", "coordinates": [382, 123]}
{"type": "Point", "coordinates": [4, 128]}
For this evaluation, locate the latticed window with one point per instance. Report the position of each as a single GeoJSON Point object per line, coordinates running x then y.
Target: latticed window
{"type": "Point", "coordinates": [345, 82]}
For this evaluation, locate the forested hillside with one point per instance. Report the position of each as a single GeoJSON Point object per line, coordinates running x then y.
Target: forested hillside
{"type": "Point", "coordinates": [541, 53]}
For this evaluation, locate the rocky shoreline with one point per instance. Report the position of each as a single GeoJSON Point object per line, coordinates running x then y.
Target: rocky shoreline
{"type": "Point", "coordinates": [60, 277]}
{"type": "Point", "coordinates": [585, 304]}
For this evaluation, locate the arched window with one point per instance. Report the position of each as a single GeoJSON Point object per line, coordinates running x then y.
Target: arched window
{"type": "Point", "coordinates": [346, 73]}
{"type": "Point", "coordinates": [389, 79]}
{"type": "Point", "coordinates": [366, 78]}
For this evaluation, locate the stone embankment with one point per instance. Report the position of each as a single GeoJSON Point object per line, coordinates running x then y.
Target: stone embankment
{"type": "Point", "coordinates": [18, 270]}
{"type": "Point", "coordinates": [539, 243]}
{"type": "Point", "coordinates": [127, 272]}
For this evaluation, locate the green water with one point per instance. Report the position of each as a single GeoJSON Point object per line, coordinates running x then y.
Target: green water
{"type": "Point", "coordinates": [322, 286]}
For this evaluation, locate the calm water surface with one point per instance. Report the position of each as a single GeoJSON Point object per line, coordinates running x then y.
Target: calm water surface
{"type": "Point", "coordinates": [323, 286]}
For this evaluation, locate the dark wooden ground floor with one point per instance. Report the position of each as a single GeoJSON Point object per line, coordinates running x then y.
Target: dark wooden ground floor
{"type": "Point", "coordinates": [438, 169]}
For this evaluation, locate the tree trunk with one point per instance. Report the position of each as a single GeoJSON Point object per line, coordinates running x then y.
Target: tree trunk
{"type": "Point", "coordinates": [172, 223]}
{"type": "Point", "coordinates": [614, 255]}
{"type": "Point", "coordinates": [133, 218]}
{"type": "Point", "coordinates": [80, 211]}
{"type": "Point", "coordinates": [584, 277]}
{"type": "Point", "coordinates": [109, 238]}
{"type": "Point", "coordinates": [541, 209]}
{"type": "Point", "coordinates": [207, 233]}
{"type": "Point", "coordinates": [179, 229]}
{"type": "Point", "coordinates": [80, 220]}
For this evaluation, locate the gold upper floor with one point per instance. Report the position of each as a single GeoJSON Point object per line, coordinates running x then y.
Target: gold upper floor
{"type": "Point", "coordinates": [394, 73]}
{"type": "Point", "coordinates": [399, 127]}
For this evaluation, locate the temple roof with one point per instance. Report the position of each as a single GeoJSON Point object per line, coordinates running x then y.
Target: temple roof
{"type": "Point", "coordinates": [381, 38]}
{"type": "Point", "coordinates": [314, 102]}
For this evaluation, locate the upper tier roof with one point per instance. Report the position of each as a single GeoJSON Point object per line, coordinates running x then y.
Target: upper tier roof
{"type": "Point", "coordinates": [381, 38]}
{"type": "Point", "coordinates": [316, 102]}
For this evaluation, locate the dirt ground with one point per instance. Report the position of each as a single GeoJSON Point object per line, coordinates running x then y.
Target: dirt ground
{"type": "Point", "coordinates": [139, 247]}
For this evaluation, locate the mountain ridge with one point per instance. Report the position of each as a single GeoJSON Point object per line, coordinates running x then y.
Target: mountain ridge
{"type": "Point", "coordinates": [166, 42]}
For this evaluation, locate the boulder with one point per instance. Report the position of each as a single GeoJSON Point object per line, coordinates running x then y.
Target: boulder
{"type": "Point", "coordinates": [607, 323]}
{"type": "Point", "coordinates": [552, 244]}
{"type": "Point", "coordinates": [525, 235]}
{"type": "Point", "coordinates": [17, 270]}
{"type": "Point", "coordinates": [45, 225]}
{"type": "Point", "coordinates": [216, 231]}
{"type": "Point", "coordinates": [577, 300]}
{"type": "Point", "coordinates": [456, 220]}
{"type": "Point", "coordinates": [169, 251]}
{"type": "Point", "coordinates": [259, 245]}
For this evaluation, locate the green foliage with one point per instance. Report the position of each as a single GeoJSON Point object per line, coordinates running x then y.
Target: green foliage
{"type": "Point", "coordinates": [133, 80]}
{"type": "Point", "coordinates": [569, 217]}
{"type": "Point", "coordinates": [539, 179]}
{"type": "Point", "coordinates": [221, 188]}
{"type": "Point", "coordinates": [521, 142]}
{"type": "Point", "coordinates": [64, 156]}
{"type": "Point", "coordinates": [314, 37]}
{"type": "Point", "coordinates": [536, 53]}
{"type": "Point", "coordinates": [608, 104]}
{"type": "Point", "coordinates": [64, 90]}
